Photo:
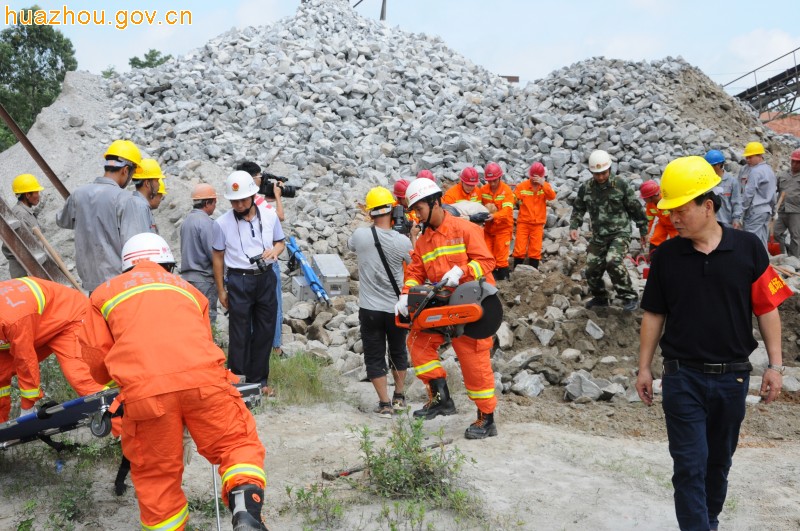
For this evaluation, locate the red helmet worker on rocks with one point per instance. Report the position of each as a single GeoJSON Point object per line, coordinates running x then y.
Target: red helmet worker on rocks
{"type": "Point", "coordinates": [499, 200]}
{"type": "Point", "coordinates": [532, 195]}
{"type": "Point", "coordinates": [466, 189]}
{"type": "Point", "coordinates": [147, 329]}
{"type": "Point", "coordinates": [659, 225]}
{"type": "Point", "coordinates": [450, 250]}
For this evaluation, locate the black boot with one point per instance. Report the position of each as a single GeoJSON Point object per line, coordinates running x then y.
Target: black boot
{"type": "Point", "coordinates": [501, 273]}
{"type": "Point", "coordinates": [439, 401]}
{"type": "Point", "coordinates": [535, 262]}
{"type": "Point", "coordinates": [245, 502]}
{"type": "Point", "coordinates": [483, 427]}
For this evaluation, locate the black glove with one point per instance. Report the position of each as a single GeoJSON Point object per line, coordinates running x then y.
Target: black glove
{"type": "Point", "coordinates": [480, 217]}
{"type": "Point", "coordinates": [41, 409]}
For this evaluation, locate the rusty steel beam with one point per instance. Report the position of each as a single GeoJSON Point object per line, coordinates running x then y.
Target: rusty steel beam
{"type": "Point", "coordinates": [23, 139]}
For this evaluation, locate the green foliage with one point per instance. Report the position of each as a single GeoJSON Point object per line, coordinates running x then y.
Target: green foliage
{"type": "Point", "coordinates": [301, 379]}
{"type": "Point", "coordinates": [151, 59]}
{"type": "Point", "coordinates": [205, 507]}
{"type": "Point", "coordinates": [109, 72]}
{"type": "Point", "coordinates": [320, 509]}
{"type": "Point", "coordinates": [409, 515]}
{"type": "Point", "coordinates": [33, 62]}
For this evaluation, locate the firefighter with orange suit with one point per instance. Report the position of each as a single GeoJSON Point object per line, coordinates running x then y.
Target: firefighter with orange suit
{"type": "Point", "coordinates": [37, 318]}
{"type": "Point", "coordinates": [465, 190]}
{"type": "Point", "coordinates": [147, 330]}
{"type": "Point", "coordinates": [532, 196]}
{"type": "Point", "coordinates": [451, 250]}
{"type": "Point", "coordinates": [659, 224]}
{"type": "Point", "coordinates": [498, 231]}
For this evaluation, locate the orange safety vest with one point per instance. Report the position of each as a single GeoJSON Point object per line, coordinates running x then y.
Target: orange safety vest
{"type": "Point", "coordinates": [659, 225]}
{"type": "Point", "coordinates": [32, 312]}
{"type": "Point", "coordinates": [532, 199]}
{"type": "Point", "coordinates": [456, 242]}
{"type": "Point", "coordinates": [147, 330]}
{"type": "Point", "coordinates": [503, 198]}
{"type": "Point", "coordinates": [456, 193]}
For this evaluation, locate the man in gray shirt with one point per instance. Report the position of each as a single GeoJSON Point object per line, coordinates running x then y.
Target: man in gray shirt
{"type": "Point", "coordinates": [27, 189]}
{"type": "Point", "coordinates": [146, 179]}
{"type": "Point", "coordinates": [196, 254]}
{"type": "Point", "coordinates": [729, 191]}
{"type": "Point", "coordinates": [377, 297]}
{"type": "Point", "coordinates": [759, 193]}
{"type": "Point", "coordinates": [103, 217]}
{"type": "Point", "coordinates": [789, 213]}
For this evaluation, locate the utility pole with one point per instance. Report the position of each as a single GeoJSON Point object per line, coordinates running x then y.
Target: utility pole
{"type": "Point", "coordinates": [383, 10]}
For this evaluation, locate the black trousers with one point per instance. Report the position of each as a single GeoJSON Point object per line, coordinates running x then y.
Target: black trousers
{"type": "Point", "coordinates": [252, 307]}
{"type": "Point", "coordinates": [378, 329]}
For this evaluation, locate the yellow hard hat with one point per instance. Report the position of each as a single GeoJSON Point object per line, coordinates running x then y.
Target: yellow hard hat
{"type": "Point", "coordinates": [753, 148]}
{"type": "Point", "coordinates": [124, 149]}
{"type": "Point", "coordinates": [148, 169]}
{"type": "Point", "coordinates": [25, 183]}
{"type": "Point", "coordinates": [684, 179]}
{"type": "Point", "coordinates": [379, 197]}
{"type": "Point", "coordinates": [161, 188]}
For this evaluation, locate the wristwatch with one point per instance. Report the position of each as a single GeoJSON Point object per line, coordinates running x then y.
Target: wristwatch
{"type": "Point", "coordinates": [778, 368]}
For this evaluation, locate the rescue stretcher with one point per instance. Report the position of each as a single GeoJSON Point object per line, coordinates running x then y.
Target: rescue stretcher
{"type": "Point", "coordinates": [90, 410]}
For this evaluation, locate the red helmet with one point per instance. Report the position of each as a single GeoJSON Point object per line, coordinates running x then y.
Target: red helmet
{"type": "Point", "coordinates": [649, 189]}
{"type": "Point", "coordinates": [469, 175]}
{"type": "Point", "coordinates": [493, 171]}
{"type": "Point", "coordinates": [796, 154]}
{"type": "Point", "coordinates": [537, 169]}
{"type": "Point", "coordinates": [400, 188]}
{"type": "Point", "coordinates": [426, 174]}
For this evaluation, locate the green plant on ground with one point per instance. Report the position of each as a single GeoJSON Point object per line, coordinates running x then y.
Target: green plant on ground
{"type": "Point", "coordinates": [407, 515]}
{"type": "Point", "coordinates": [205, 507]}
{"type": "Point", "coordinates": [317, 504]}
{"type": "Point", "coordinates": [302, 379]}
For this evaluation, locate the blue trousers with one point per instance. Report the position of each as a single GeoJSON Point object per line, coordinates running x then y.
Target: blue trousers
{"type": "Point", "coordinates": [703, 414]}
{"type": "Point", "coordinates": [251, 324]}
{"type": "Point", "coordinates": [276, 341]}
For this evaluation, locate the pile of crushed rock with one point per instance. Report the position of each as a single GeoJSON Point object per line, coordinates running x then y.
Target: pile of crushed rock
{"type": "Point", "coordinates": [339, 103]}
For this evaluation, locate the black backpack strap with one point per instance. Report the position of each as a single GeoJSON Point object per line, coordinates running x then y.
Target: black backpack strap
{"type": "Point", "coordinates": [385, 263]}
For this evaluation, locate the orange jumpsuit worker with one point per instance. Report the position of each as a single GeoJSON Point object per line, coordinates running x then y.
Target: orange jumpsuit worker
{"type": "Point", "coordinates": [466, 190]}
{"type": "Point", "coordinates": [451, 250]}
{"type": "Point", "coordinates": [659, 224]}
{"type": "Point", "coordinates": [498, 231]}
{"type": "Point", "coordinates": [147, 329]}
{"type": "Point", "coordinates": [532, 195]}
{"type": "Point", "coordinates": [37, 318]}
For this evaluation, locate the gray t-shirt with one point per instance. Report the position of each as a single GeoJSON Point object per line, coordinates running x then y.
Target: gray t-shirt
{"type": "Point", "coordinates": [196, 254]}
{"type": "Point", "coordinates": [375, 291]}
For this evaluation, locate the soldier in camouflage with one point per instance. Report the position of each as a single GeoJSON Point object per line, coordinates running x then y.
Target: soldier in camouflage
{"type": "Point", "coordinates": [612, 204]}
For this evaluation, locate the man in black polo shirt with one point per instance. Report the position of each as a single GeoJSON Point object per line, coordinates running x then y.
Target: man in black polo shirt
{"type": "Point", "coordinates": [702, 291]}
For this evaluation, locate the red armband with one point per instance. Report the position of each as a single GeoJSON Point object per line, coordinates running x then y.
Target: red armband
{"type": "Point", "coordinates": [768, 292]}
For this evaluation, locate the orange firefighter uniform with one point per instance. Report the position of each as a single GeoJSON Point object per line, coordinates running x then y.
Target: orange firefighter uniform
{"type": "Point", "coordinates": [499, 230]}
{"type": "Point", "coordinates": [659, 225]}
{"type": "Point", "coordinates": [456, 242]}
{"type": "Point", "coordinates": [38, 318]}
{"type": "Point", "coordinates": [148, 331]}
{"type": "Point", "coordinates": [532, 199]}
{"type": "Point", "coordinates": [456, 193]}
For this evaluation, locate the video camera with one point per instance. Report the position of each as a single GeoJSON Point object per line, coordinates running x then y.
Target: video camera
{"type": "Point", "coordinates": [259, 261]}
{"type": "Point", "coordinates": [270, 181]}
{"type": "Point", "coordinates": [400, 222]}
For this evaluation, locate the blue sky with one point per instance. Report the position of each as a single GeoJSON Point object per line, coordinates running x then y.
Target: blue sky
{"type": "Point", "coordinates": [510, 37]}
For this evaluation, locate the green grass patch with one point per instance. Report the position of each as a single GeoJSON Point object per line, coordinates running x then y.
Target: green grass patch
{"type": "Point", "coordinates": [302, 379]}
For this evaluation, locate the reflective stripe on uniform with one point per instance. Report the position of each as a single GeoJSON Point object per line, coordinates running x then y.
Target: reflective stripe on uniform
{"type": "Point", "coordinates": [481, 394]}
{"type": "Point", "coordinates": [5, 391]}
{"type": "Point", "coordinates": [156, 286]}
{"type": "Point", "coordinates": [5, 345]}
{"type": "Point", "coordinates": [506, 204]}
{"type": "Point", "coordinates": [245, 469]}
{"type": "Point", "coordinates": [411, 283]}
{"type": "Point", "coordinates": [427, 367]}
{"type": "Point", "coordinates": [37, 293]}
{"type": "Point", "coordinates": [173, 522]}
{"type": "Point", "coordinates": [30, 394]}
{"type": "Point", "coordinates": [443, 251]}
{"type": "Point", "coordinates": [477, 270]}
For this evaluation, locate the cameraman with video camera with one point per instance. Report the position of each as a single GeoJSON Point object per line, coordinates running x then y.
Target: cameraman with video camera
{"type": "Point", "coordinates": [247, 241]}
{"type": "Point", "coordinates": [270, 191]}
{"type": "Point", "coordinates": [404, 220]}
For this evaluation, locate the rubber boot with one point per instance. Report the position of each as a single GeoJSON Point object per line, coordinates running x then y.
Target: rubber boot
{"type": "Point", "coordinates": [245, 502]}
{"type": "Point", "coordinates": [535, 262]}
{"type": "Point", "coordinates": [439, 401]}
{"type": "Point", "coordinates": [501, 273]}
{"type": "Point", "coordinates": [483, 427]}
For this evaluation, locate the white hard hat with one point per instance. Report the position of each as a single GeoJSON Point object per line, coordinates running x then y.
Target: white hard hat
{"type": "Point", "coordinates": [146, 246]}
{"type": "Point", "coordinates": [239, 185]}
{"type": "Point", "coordinates": [420, 189]}
{"type": "Point", "coordinates": [599, 161]}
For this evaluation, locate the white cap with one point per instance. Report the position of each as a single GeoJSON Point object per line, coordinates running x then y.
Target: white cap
{"type": "Point", "coordinates": [239, 185]}
{"type": "Point", "coordinates": [419, 189]}
{"type": "Point", "coordinates": [146, 246]}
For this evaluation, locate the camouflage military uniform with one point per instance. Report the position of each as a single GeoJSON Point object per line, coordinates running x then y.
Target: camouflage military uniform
{"type": "Point", "coordinates": [611, 207]}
